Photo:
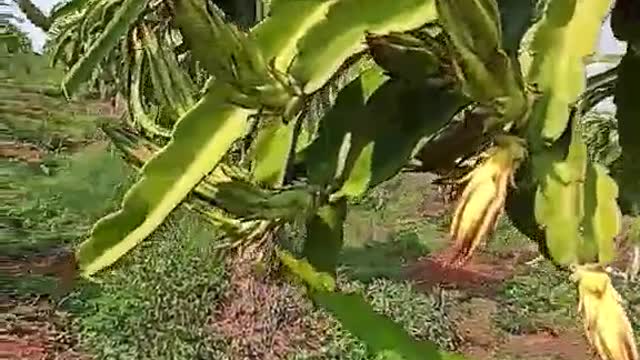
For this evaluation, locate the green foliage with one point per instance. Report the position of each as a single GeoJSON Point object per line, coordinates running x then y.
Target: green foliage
{"type": "Point", "coordinates": [200, 140]}
{"type": "Point", "coordinates": [115, 29]}
{"type": "Point", "coordinates": [271, 153]}
{"type": "Point", "coordinates": [475, 32]}
{"type": "Point", "coordinates": [418, 313]}
{"type": "Point", "coordinates": [135, 101]}
{"type": "Point", "coordinates": [316, 280]}
{"type": "Point", "coordinates": [567, 31]}
{"type": "Point", "coordinates": [515, 19]}
{"type": "Point", "coordinates": [157, 303]}
{"type": "Point", "coordinates": [67, 7]}
{"type": "Point", "coordinates": [13, 39]}
{"type": "Point", "coordinates": [111, 244]}
{"type": "Point", "coordinates": [173, 86]}
{"type": "Point", "coordinates": [325, 235]}
{"type": "Point", "coordinates": [293, 18]}
{"type": "Point", "coordinates": [576, 203]}
{"type": "Point", "coordinates": [576, 200]}
{"type": "Point", "coordinates": [602, 138]}
{"type": "Point", "coordinates": [238, 62]}
{"type": "Point", "coordinates": [324, 154]}
{"type": "Point", "coordinates": [248, 202]}
{"type": "Point", "coordinates": [449, 82]}
{"type": "Point", "coordinates": [400, 113]}
{"type": "Point", "coordinates": [341, 34]}
{"type": "Point", "coordinates": [381, 334]}
{"type": "Point", "coordinates": [406, 56]}
{"type": "Point", "coordinates": [520, 206]}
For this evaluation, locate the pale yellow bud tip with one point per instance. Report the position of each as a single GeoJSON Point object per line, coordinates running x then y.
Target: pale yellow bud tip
{"type": "Point", "coordinates": [482, 201]}
{"type": "Point", "coordinates": [605, 321]}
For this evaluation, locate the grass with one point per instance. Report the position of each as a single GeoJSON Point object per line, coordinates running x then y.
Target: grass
{"type": "Point", "coordinates": [58, 209]}
{"type": "Point", "coordinates": [384, 232]}
{"type": "Point", "coordinates": [542, 298]}
{"type": "Point", "coordinates": [29, 70]}
{"type": "Point", "coordinates": [155, 304]}
{"type": "Point", "coordinates": [33, 110]}
{"type": "Point", "coordinates": [50, 122]}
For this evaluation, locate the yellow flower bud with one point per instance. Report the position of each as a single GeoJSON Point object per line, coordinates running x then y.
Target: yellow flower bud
{"type": "Point", "coordinates": [605, 321]}
{"type": "Point", "coordinates": [483, 198]}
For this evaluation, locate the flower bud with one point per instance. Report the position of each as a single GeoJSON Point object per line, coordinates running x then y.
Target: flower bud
{"type": "Point", "coordinates": [605, 321]}
{"type": "Point", "coordinates": [483, 198]}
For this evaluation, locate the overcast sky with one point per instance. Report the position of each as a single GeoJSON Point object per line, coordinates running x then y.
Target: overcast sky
{"type": "Point", "coordinates": [606, 45]}
{"type": "Point", "coordinates": [37, 36]}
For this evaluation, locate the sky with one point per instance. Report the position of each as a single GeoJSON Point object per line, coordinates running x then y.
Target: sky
{"type": "Point", "coordinates": [37, 36]}
{"type": "Point", "coordinates": [606, 44]}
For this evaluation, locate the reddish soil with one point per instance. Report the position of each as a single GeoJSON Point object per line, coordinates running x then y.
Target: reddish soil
{"type": "Point", "coordinates": [479, 279]}
{"type": "Point", "coordinates": [20, 151]}
{"type": "Point", "coordinates": [482, 341]}
{"type": "Point", "coordinates": [481, 275]}
{"type": "Point", "coordinates": [568, 345]}
{"type": "Point", "coordinates": [33, 330]}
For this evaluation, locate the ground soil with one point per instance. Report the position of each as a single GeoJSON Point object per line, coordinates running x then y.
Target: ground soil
{"type": "Point", "coordinates": [33, 330]}
{"type": "Point", "coordinates": [474, 317]}
{"type": "Point", "coordinates": [20, 151]}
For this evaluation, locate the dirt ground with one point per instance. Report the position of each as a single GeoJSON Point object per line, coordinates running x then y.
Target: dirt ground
{"type": "Point", "coordinates": [34, 330]}
{"type": "Point", "coordinates": [20, 151]}
{"type": "Point", "coordinates": [474, 317]}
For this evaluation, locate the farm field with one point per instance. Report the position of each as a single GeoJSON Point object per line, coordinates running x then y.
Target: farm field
{"type": "Point", "coordinates": [174, 298]}
{"type": "Point", "coordinates": [319, 180]}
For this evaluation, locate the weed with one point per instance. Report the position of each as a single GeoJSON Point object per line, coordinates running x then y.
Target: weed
{"type": "Point", "coordinates": [384, 232]}
{"type": "Point", "coordinates": [507, 239]}
{"type": "Point", "coordinates": [59, 209]}
{"type": "Point", "coordinates": [543, 298]}
{"type": "Point", "coordinates": [156, 302]}
{"type": "Point", "coordinates": [417, 312]}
